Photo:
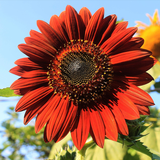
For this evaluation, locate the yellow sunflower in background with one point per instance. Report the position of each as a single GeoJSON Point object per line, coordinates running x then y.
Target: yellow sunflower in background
{"type": "Point", "coordinates": [151, 34]}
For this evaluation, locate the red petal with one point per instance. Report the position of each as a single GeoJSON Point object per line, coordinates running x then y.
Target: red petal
{"type": "Point", "coordinates": [129, 56]}
{"type": "Point", "coordinates": [32, 98]}
{"type": "Point", "coordinates": [59, 27]}
{"type": "Point", "coordinates": [138, 96]}
{"type": "Point", "coordinates": [140, 79]}
{"type": "Point", "coordinates": [111, 131]}
{"type": "Point", "coordinates": [50, 50]}
{"type": "Point", "coordinates": [121, 123]}
{"type": "Point", "coordinates": [133, 43]}
{"type": "Point", "coordinates": [27, 64]}
{"type": "Point", "coordinates": [85, 14]}
{"type": "Point", "coordinates": [120, 27]}
{"type": "Point", "coordinates": [24, 90]}
{"type": "Point", "coordinates": [106, 28]}
{"type": "Point", "coordinates": [35, 53]}
{"type": "Point", "coordinates": [46, 112]}
{"type": "Point", "coordinates": [143, 110]}
{"type": "Point", "coordinates": [116, 40]}
{"type": "Point", "coordinates": [62, 17]}
{"type": "Point", "coordinates": [34, 73]}
{"type": "Point", "coordinates": [26, 83]}
{"type": "Point", "coordinates": [17, 70]}
{"type": "Point", "coordinates": [53, 37]}
{"type": "Point", "coordinates": [31, 112]}
{"type": "Point", "coordinates": [134, 67]}
{"type": "Point", "coordinates": [74, 24]}
{"type": "Point", "coordinates": [80, 132]}
{"type": "Point", "coordinates": [93, 24]}
{"type": "Point", "coordinates": [61, 121]}
{"type": "Point", "coordinates": [69, 122]}
{"type": "Point", "coordinates": [97, 129]}
{"type": "Point", "coordinates": [137, 80]}
{"type": "Point", "coordinates": [127, 107]}
{"type": "Point", "coordinates": [57, 119]}
{"type": "Point", "coordinates": [37, 35]}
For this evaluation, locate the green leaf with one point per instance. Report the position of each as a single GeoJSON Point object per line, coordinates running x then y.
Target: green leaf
{"type": "Point", "coordinates": [138, 146]}
{"type": "Point", "coordinates": [111, 151]}
{"type": "Point", "coordinates": [152, 141]}
{"type": "Point", "coordinates": [7, 92]}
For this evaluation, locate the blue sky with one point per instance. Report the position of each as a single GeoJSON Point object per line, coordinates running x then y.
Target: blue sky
{"type": "Point", "coordinates": [18, 17]}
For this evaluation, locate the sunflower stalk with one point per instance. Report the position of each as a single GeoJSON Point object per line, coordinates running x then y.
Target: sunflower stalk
{"type": "Point", "coordinates": [51, 154]}
{"type": "Point", "coordinates": [80, 155]}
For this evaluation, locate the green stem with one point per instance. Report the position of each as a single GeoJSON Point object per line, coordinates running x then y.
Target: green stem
{"type": "Point", "coordinates": [80, 155]}
{"type": "Point", "coordinates": [51, 154]}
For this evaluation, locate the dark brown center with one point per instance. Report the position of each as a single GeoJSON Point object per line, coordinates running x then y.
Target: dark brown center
{"type": "Point", "coordinates": [78, 68]}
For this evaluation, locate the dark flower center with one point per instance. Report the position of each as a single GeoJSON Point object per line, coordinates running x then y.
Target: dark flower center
{"type": "Point", "coordinates": [78, 68]}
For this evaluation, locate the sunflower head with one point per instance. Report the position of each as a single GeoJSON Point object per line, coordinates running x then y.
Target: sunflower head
{"type": "Point", "coordinates": [83, 72]}
{"type": "Point", "coordinates": [81, 76]}
{"type": "Point", "coordinates": [151, 34]}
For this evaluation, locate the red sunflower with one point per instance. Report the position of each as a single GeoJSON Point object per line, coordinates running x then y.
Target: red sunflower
{"type": "Point", "coordinates": [81, 76]}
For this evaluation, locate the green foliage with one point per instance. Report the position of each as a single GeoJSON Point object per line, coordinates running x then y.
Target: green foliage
{"type": "Point", "coordinates": [136, 127]}
{"type": "Point", "coordinates": [125, 150]}
{"type": "Point", "coordinates": [25, 138]}
{"type": "Point", "coordinates": [58, 147]}
{"type": "Point", "coordinates": [138, 146]}
{"type": "Point", "coordinates": [154, 117]}
{"type": "Point", "coordinates": [7, 92]}
{"type": "Point", "coordinates": [130, 147]}
{"type": "Point", "coordinates": [153, 133]}
{"type": "Point", "coordinates": [111, 151]}
{"type": "Point", "coordinates": [22, 138]}
{"type": "Point", "coordinates": [66, 154]}
{"type": "Point", "coordinates": [131, 155]}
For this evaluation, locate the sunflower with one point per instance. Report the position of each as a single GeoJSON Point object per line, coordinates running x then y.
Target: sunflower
{"type": "Point", "coordinates": [81, 76]}
{"type": "Point", "coordinates": [151, 34]}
